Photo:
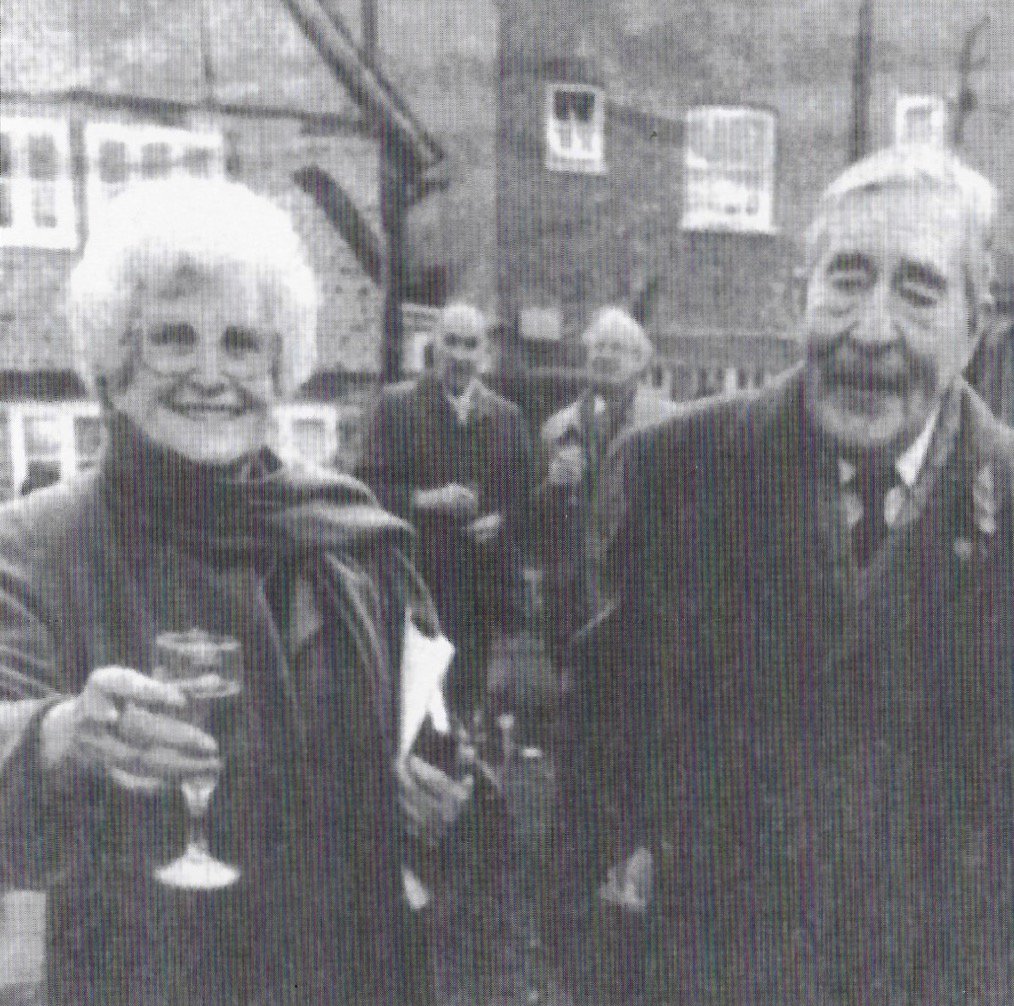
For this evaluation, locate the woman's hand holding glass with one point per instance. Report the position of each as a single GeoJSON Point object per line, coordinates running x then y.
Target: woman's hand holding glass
{"type": "Point", "coordinates": [207, 668]}
{"type": "Point", "coordinates": [145, 733]}
{"type": "Point", "coordinates": [131, 728]}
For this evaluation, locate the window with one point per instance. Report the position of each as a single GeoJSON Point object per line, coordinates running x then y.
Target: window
{"type": "Point", "coordinates": [87, 440]}
{"type": "Point", "coordinates": [920, 119]}
{"type": "Point", "coordinates": [350, 437]}
{"type": "Point", "coordinates": [36, 191]}
{"type": "Point", "coordinates": [311, 440]}
{"type": "Point", "coordinates": [120, 152]}
{"type": "Point", "coordinates": [307, 433]}
{"type": "Point", "coordinates": [420, 322]}
{"type": "Point", "coordinates": [325, 435]}
{"type": "Point", "coordinates": [729, 170]}
{"type": "Point", "coordinates": [575, 120]}
{"type": "Point", "coordinates": [65, 438]}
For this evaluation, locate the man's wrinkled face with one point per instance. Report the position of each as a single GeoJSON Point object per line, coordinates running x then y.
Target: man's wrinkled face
{"type": "Point", "coordinates": [614, 359]}
{"type": "Point", "coordinates": [459, 353]}
{"type": "Point", "coordinates": [888, 320]}
{"type": "Point", "coordinates": [202, 377]}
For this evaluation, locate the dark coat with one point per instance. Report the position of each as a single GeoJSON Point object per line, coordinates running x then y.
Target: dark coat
{"type": "Point", "coordinates": [308, 800]}
{"type": "Point", "coordinates": [821, 755]}
{"type": "Point", "coordinates": [416, 441]}
{"type": "Point", "coordinates": [575, 521]}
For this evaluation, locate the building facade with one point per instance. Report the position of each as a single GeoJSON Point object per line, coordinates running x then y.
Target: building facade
{"type": "Point", "coordinates": [96, 98]}
{"type": "Point", "coordinates": [697, 224]}
{"type": "Point", "coordinates": [669, 157]}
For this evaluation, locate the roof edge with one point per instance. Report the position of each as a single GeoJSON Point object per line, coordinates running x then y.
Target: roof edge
{"type": "Point", "coordinates": [324, 28]}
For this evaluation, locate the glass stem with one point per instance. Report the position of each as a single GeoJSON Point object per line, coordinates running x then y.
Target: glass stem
{"type": "Point", "coordinates": [198, 797]}
{"type": "Point", "coordinates": [197, 841]}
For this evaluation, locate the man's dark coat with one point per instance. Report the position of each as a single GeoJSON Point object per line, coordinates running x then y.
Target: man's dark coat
{"type": "Point", "coordinates": [822, 754]}
{"type": "Point", "coordinates": [575, 520]}
{"type": "Point", "coordinates": [417, 441]}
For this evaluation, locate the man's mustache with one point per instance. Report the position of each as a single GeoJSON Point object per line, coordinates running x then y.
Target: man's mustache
{"type": "Point", "coordinates": [184, 395]}
{"type": "Point", "coordinates": [887, 369]}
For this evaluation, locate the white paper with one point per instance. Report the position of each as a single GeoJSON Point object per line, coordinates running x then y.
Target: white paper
{"type": "Point", "coordinates": [425, 661]}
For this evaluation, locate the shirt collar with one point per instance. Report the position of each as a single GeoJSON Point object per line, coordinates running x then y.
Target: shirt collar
{"type": "Point", "coordinates": [463, 403]}
{"type": "Point", "coordinates": [909, 464]}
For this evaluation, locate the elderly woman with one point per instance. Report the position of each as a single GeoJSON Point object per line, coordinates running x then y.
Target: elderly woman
{"type": "Point", "coordinates": [194, 311]}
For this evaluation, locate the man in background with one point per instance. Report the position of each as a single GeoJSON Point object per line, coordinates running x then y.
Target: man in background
{"type": "Point", "coordinates": [577, 505]}
{"type": "Point", "coordinates": [454, 458]}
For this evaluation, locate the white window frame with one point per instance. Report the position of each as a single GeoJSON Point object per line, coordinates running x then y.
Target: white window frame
{"type": "Point", "coordinates": [135, 138]}
{"type": "Point", "coordinates": [24, 232]}
{"type": "Point", "coordinates": [723, 194]}
{"type": "Point", "coordinates": [420, 323]}
{"type": "Point", "coordinates": [286, 418]}
{"type": "Point", "coordinates": [337, 418]}
{"type": "Point", "coordinates": [63, 414]}
{"type": "Point", "coordinates": [570, 146]}
{"type": "Point", "coordinates": [932, 105]}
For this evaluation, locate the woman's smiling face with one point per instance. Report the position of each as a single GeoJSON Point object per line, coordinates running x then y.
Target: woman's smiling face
{"type": "Point", "coordinates": [202, 377]}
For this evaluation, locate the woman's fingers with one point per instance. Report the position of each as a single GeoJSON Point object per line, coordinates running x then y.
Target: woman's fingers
{"type": "Point", "coordinates": [124, 684]}
{"type": "Point", "coordinates": [169, 764]}
{"type": "Point", "coordinates": [142, 728]}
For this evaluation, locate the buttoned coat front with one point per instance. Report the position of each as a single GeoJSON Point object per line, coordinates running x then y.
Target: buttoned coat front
{"type": "Point", "coordinates": [821, 754]}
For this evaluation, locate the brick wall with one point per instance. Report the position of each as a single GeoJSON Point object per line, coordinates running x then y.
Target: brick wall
{"type": "Point", "coordinates": [793, 55]}
{"type": "Point", "coordinates": [265, 153]}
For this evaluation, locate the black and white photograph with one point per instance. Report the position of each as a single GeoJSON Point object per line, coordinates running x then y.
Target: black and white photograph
{"type": "Point", "coordinates": [506, 503]}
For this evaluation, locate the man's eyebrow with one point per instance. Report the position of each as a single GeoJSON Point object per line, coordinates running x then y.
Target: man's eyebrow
{"type": "Point", "coordinates": [850, 260]}
{"type": "Point", "coordinates": [922, 272]}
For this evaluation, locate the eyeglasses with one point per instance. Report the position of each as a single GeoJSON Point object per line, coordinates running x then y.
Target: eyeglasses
{"type": "Point", "coordinates": [464, 343]}
{"type": "Point", "coordinates": [174, 348]}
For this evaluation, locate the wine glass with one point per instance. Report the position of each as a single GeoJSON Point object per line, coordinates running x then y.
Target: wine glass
{"type": "Point", "coordinates": [206, 668]}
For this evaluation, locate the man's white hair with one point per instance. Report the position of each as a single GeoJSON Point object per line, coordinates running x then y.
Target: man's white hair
{"type": "Point", "coordinates": [155, 231]}
{"type": "Point", "coordinates": [616, 320]}
{"type": "Point", "coordinates": [461, 317]}
{"type": "Point", "coordinates": [921, 169]}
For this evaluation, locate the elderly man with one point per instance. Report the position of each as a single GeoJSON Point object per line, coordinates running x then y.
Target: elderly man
{"type": "Point", "coordinates": [577, 508]}
{"type": "Point", "coordinates": [806, 671]}
{"type": "Point", "coordinates": [454, 458]}
{"type": "Point", "coordinates": [193, 310]}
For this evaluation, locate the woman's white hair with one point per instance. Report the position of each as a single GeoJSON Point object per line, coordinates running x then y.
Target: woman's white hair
{"type": "Point", "coordinates": [919, 168]}
{"type": "Point", "coordinates": [157, 230]}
